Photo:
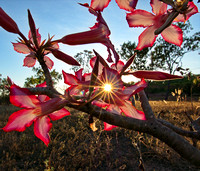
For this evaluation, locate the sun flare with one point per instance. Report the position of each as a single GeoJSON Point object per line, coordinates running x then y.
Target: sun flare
{"type": "Point", "coordinates": [107, 87]}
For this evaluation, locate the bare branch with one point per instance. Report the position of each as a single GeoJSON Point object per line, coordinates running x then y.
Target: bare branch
{"type": "Point", "coordinates": [180, 131]}
{"type": "Point", "coordinates": [146, 106]}
{"type": "Point", "coordinates": [150, 126]}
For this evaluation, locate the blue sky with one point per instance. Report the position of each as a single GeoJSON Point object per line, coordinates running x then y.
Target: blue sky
{"type": "Point", "coordinates": [62, 17]}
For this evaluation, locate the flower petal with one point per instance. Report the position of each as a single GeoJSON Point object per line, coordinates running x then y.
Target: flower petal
{"type": "Point", "coordinates": [48, 62]}
{"type": "Point", "coordinates": [158, 7]}
{"type": "Point", "coordinates": [42, 127]}
{"type": "Point", "coordinates": [99, 5]}
{"type": "Point", "coordinates": [155, 75]}
{"type": "Point", "coordinates": [19, 120]}
{"type": "Point", "coordinates": [173, 34]}
{"type": "Point", "coordinates": [59, 114]}
{"type": "Point", "coordinates": [147, 38]}
{"type": "Point", "coordinates": [118, 67]}
{"type": "Point", "coordinates": [108, 127]}
{"type": "Point", "coordinates": [87, 76]}
{"type": "Point", "coordinates": [98, 34]}
{"type": "Point", "coordinates": [29, 61]}
{"type": "Point", "coordinates": [21, 48]}
{"type": "Point", "coordinates": [70, 79]}
{"type": "Point", "coordinates": [192, 10]}
{"type": "Point", "coordinates": [22, 97]}
{"type": "Point", "coordinates": [43, 98]}
{"type": "Point", "coordinates": [128, 5]}
{"type": "Point", "coordinates": [100, 103]}
{"type": "Point", "coordinates": [129, 91]}
{"type": "Point", "coordinates": [78, 74]}
{"type": "Point", "coordinates": [140, 18]}
{"type": "Point", "coordinates": [129, 110]}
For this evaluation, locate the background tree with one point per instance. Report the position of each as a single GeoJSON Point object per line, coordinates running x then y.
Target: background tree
{"type": "Point", "coordinates": [84, 60]}
{"type": "Point", "coordinates": [4, 92]}
{"type": "Point", "coordinates": [140, 62]}
{"type": "Point", "coordinates": [39, 77]}
{"type": "Point", "coordinates": [168, 56]}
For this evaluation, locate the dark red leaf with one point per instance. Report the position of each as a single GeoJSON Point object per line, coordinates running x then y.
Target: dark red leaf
{"type": "Point", "coordinates": [64, 57]}
{"type": "Point", "coordinates": [8, 23]}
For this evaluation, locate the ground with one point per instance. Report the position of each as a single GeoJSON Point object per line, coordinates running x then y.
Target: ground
{"type": "Point", "coordinates": [74, 146]}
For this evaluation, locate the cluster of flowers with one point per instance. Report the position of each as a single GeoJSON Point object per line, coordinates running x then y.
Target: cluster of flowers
{"type": "Point", "coordinates": [103, 87]}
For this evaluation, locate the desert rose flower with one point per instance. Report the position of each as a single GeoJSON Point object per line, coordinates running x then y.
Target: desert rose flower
{"type": "Point", "coordinates": [36, 109]}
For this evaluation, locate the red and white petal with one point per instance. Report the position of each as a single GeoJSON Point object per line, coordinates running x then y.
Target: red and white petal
{"type": "Point", "coordinates": [59, 114]}
{"type": "Point", "coordinates": [99, 5]}
{"type": "Point", "coordinates": [111, 76]}
{"type": "Point", "coordinates": [87, 76]}
{"type": "Point", "coordinates": [140, 18]}
{"type": "Point", "coordinates": [128, 5]}
{"type": "Point", "coordinates": [194, 10]}
{"type": "Point", "coordinates": [100, 103]}
{"type": "Point", "coordinates": [108, 127]}
{"type": "Point", "coordinates": [19, 120]}
{"type": "Point", "coordinates": [173, 34]}
{"type": "Point", "coordinates": [42, 127]}
{"type": "Point", "coordinates": [114, 109]}
{"type": "Point", "coordinates": [22, 97]}
{"type": "Point", "coordinates": [55, 46]}
{"type": "Point", "coordinates": [129, 110]}
{"type": "Point", "coordinates": [158, 7]}
{"type": "Point", "coordinates": [78, 74]}
{"type": "Point", "coordinates": [155, 75]}
{"type": "Point", "coordinates": [44, 84]}
{"type": "Point", "coordinates": [147, 38]}
{"type": "Point", "coordinates": [92, 62]}
{"type": "Point", "coordinates": [43, 98]}
{"type": "Point", "coordinates": [21, 48]}
{"type": "Point", "coordinates": [70, 79]}
{"type": "Point", "coordinates": [48, 62]}
{"type": "Point", "coordinates": [119, 65]}
{"type": "Point", "coordinates": [129, 91]}
{"type": "Point", "coordinates": [38, 36]}
{"type": "Point", "coordinates": [29, 61]}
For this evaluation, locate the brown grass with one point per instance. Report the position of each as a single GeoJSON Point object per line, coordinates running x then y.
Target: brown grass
{"type": "Point", "coordinates": [74, 146]}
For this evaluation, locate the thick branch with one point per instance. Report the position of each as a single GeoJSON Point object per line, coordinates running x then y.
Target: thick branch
{"type": "Point", "coordinates": [146, 106]}
{"type": "Point", "coordinates": [46, 72]}
{"type": "Point", "coordinates": [49, 91]}
{"type": "Point", "coordinates": [180, 131]}
{"type": "Point", "coordinates": [150, 126]}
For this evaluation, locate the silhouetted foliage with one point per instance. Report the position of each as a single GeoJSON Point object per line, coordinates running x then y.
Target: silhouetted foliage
{"type": "Point", "coordinates": [39, 77]}
{"type": "Point", "coordinates": [140, 62]}
{"type": "Point", "coordinates": [84, 60]}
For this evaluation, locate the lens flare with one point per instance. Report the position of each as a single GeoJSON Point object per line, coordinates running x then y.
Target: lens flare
{"type": "Point", "coordinates": [107, 87]}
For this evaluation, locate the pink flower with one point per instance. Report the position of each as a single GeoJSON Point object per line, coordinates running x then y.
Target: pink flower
{"type": "Point", "coordinates": [79, 83]}
{"type": "Point", "coordinates": [30, 59]}
{"type": "Point", "coordinates": [99, 33]}
{"type": "Point", "coordinates": [116, 97]}
{"type": "Point", "coordinates": [117, 93]}
{"type": "Point", "coordinates": [128, 5]}
{"type": "Point", "coordinates": [36, 109]}
{"type": "Point", "coordinates": [140, 18]}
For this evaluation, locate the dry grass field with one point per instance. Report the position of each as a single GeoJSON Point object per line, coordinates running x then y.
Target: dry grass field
{"type": "Point", "coordinates": [74, 146]}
